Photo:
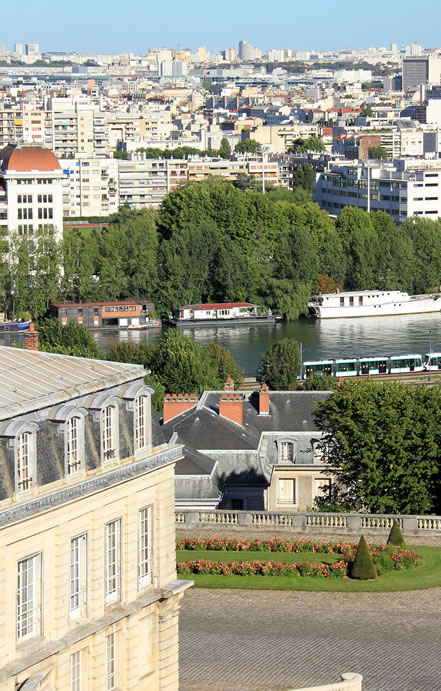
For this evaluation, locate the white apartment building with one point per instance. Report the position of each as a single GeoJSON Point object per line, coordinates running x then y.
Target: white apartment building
{"type": "Point", "coordinates": [403, 188]}
{"type": "Point", "coordinates": [31, 184]}
{"type": "Point", "coordinates": [78, 127]}
{"type": "Point", "coordinates": [90, 186]}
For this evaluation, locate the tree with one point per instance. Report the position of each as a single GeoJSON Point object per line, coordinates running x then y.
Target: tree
{"type": "Point", "coordinates": [225, 148]}
{"type": "Point", "coordinates": [302, 146]}
{"type": "Point", "coordinates": [69, 339]}
{"type": "Point", "coordinates": [395, 536]}
{"type": "Point", "coordinates": [383, 442]}
{"type": "Point", "coordinates": [305, 177]}
{"type": "Point", "coordinates": [280, 365]}
{"type": "Point", "coordinates": [136, 353]}
{"type": "Point", "coordinates": [224, 364]}
{"type": "Point", "coordinates": [366, 112]}
{"type": "Point", "coordinates": [377, 152]}
{"type": "Point", "coordinates": [182, 366]}
{"type": "Point", "coordinates": [363, 567]}
{"type": "Point", "coordinates": [248, 146]}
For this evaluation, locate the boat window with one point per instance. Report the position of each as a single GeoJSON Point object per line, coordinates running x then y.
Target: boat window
{"type": "Point", "coordinates": [342, 302]}
{"type": "Point", "coordinates": [360, 299]}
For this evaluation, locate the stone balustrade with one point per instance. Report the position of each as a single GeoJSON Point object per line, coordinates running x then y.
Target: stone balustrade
{"type": "Point", "coordinates": [350, 681]}
{"type": "Point", "coordinates": [313, 522]}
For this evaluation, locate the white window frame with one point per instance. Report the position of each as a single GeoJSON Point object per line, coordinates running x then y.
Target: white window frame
{"type": "Point", "coordinates": [145, 546]}
{"type": "Point", "coordinates": [112, 561]}
{"type": "Point", "coordinates": [25, 453]}
{"type": "Point", "coordinates": [76, 671]}
{"type": "Point", "coordinates": [282, 500]}
{"type": "Point", "coordinates": [287, 451]}
{"type": "Point", "coordinates": [78, 580]}
{"type": "Point", "coordinates": [29, 604]}
{"type": "Point", "coordinates": [320, 452]}
{"type": "Point", "coordinates": [74, 445]}
{"type": "Point", "coordinates": [109, 428]}
{"type": "Point", "coordinates": [141, 422]}
{"type": "Point", "coordinates": [111, 662]}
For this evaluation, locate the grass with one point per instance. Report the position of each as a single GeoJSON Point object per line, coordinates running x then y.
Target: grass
{"type": "Point", "coordinates": [428, 575]}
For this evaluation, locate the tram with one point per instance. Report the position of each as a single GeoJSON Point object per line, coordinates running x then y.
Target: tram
{"type": "Point", "coordinates": [355, 367]}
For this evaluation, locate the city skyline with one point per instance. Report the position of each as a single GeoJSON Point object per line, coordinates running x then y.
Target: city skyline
{"type": "Point", "coordinates": [91, 30]}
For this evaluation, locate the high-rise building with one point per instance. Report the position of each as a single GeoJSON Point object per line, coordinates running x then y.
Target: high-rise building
{"type": "Point", "coordinates": [419, 70]}
{"type": "Point", "coordinates": [33, 49]}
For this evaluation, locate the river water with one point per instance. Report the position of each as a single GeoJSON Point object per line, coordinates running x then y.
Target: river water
{"type": "Point", "coordinates": [368, 336]}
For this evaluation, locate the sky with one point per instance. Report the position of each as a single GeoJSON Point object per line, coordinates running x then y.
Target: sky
{"type": "Point", "coordinates": [114, 26]}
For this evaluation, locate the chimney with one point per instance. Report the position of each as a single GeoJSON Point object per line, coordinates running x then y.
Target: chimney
{"type": "Point", "coordinates": [264, 400]}
{"type": "Point", "coordinates": [229, 384]}
{"type": "Point", "coordinates": [231, 407]}
{"type": "Point", "coordinates": [175, 404]}
{"type": "Point", "coordinates": [31, 338]}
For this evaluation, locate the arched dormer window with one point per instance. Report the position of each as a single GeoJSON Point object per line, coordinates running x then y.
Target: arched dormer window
{"type": "Point", "coordinates": [319, 451]}
{"type": "Point", "coordinates": [286, 450]}
{"type": "Point", "coordinates": [107, 406]}
{"type": "Point", "coordinates": [23, 437]}
{"type": "Point", "coordinates": [71, 424]}
{"type": "Point", "coordinates": [138, 397]}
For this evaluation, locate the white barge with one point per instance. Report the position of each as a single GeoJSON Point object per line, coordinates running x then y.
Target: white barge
{"type": "Point", "coordinates": [225, 313]}
{"type": "Point", "coordinates": [371, 303]}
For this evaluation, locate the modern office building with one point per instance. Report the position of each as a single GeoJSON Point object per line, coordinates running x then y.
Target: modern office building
{"type": "Point", "coordinates": [419, 70]}
{"type": "Point", "coordinates": [88, 582]}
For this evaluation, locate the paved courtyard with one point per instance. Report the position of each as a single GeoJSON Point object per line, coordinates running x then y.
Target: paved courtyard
{"type": "Point", "coordinates": [251, 640]}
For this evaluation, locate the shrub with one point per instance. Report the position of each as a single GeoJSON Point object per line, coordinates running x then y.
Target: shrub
{"type": "Point", "coordinates": [363, 566]}
{"type": "Point", "coordinates": [396, 536]}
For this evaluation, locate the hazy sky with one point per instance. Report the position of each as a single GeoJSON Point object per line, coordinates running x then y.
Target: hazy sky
{"type": "Point", "coordinates": [94, 26]}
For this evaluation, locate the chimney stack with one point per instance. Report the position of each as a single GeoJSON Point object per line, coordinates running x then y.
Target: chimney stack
{"type": "Point", "coordinates": [31, 338]}
{"type": "Point", "coordinates": [229, 384]}
{"type": "Point", "coordinates": [175, 404]}
{"type": "Point", "coordinates": [264, 400]}
{"type": "Point", "coordinates": [231, 407]}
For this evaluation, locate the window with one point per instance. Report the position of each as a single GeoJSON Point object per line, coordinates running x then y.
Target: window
{"type": "Point", "coordinates": [113, 561]}
{"type": "Point", "coordinates": [75, 671]}
{"type": "Point", "coordinates": [286, 452]}
{"type": "Point", "coordinates": [25, 451]}
{"type": "Point", "coordinates": [141, 422]}
{"type": "Point", "coordinates": [110, 663]}
{"type": "Point", "coordinates": [109, 418]}
{"type": "Point", "coordinates": [286, 491]}
{"type": "Point", "coordinates": [29, 596]}
{"type": "Point", "coordinates": [145, 546]}
{"type": "Point", "coordinates": [78, 577]}
{"type": "Point", "coordinates": [74, 445]}
{"type": "Point", "coordinates": [322, 487]}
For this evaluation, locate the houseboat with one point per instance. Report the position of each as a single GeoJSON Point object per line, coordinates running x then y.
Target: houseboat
{"type": "Point", "coordinates": [371, 303]}
{"type": "Point", "coordinates": [223, 313]}
{"type": "Point", "coordinates": [123, 314]}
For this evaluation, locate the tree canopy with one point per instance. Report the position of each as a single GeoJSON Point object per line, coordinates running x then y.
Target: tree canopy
{"type": "Point", "coordinates": [280, 365]}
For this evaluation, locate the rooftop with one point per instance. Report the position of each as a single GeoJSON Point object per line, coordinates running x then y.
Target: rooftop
{"type": "Point", "coordinates": [28, 158]}
{"type": "Point", "coordinates": [31, 380]}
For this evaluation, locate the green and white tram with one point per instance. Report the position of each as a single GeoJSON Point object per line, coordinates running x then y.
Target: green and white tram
{"type": "Point", "coordinates": [356, 367]}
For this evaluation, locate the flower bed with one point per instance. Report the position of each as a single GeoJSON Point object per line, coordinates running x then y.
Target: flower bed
{"type": "Point", "coordinates": [386, 558]}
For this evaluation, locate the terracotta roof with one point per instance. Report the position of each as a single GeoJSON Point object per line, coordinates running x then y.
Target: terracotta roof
{"type": "Point", "coordinates": [219, 306]}
{"type": "Point", "coordinates": [101, 304]}
{"type": "Point", "coordinates": [27, 158]}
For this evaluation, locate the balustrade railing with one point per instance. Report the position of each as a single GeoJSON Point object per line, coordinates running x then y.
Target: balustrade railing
{"type": "Point", "coordinates": [310, 522]}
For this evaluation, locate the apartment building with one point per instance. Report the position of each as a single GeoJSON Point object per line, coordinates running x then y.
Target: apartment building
{"type": "Point", "coordinates": [87, 528]}
{"type": "Point", "coordinates": [420, 69]}
{"type": "Point", "coordinates": [403, 188]}
{"type": "Point", "coordinates": [78, 127]}
{"type": "Point", "coordinates": [31, 189]}
{"type": "Point", "coordinates": [142, 128]}
{"type": "Point", "coordinates": [91, 186]}
{"type": "Point", "coordinates": [27, 125]}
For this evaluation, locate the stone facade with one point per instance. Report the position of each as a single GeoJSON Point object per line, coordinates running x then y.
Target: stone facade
{"type": "Point", "coordinates": [87, 577]}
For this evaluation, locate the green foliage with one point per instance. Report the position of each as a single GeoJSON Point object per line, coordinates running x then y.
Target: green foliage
{"type": "Point", "coordinates": [319, 382]}
{"type": "Point", "coordinates": [305, 177]}
{"type": "Point", "coordinates": [182, 366]}
{"type": "Point", "coordinates": [70, 339]}
{"type": "Point", "coordinates": [225, 148]}
{"type": "Point", "coordinates": [396, 536]}
{"type": "Point", "coordinates": [377, 152]}
{"type": "Point", "coordinates": [136, 353]}
{"type": "Point", "coordinates": [280, 365]}
{"type": "Point", "coordinates": [363, 567]}
{"type": "Point", "coordinates": [302, 146]}
{"type": "Point", "coordinates": [366, 112]}
{"type": "Point", "coordinates": [224, 364]}
{"type": "Point", "coordinates": [159, 395]}
{"type": "Point", "coordinates": [122, 155]}
{"type": "Point", "coordinates": [384, 443]}
{"type": "Point", "coordinates": [248, 146]}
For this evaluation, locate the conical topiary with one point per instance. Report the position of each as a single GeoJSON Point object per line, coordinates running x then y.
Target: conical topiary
{"type": "Point", "coordinates": [363, 567]}
{"type": "Point", "coordinates": [395, 535]}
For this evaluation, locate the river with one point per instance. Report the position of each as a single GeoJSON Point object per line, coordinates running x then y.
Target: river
{"type": "Point", "coordinates": [368, 336]}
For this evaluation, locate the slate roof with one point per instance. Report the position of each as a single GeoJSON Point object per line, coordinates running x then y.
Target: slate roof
{"type": "Point", "coordinates": [203, 429]}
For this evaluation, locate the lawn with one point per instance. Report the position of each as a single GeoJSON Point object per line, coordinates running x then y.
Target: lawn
{"type": "Point", "coordinates": [428, 575]}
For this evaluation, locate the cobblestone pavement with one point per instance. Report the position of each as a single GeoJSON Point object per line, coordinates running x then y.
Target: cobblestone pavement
{"type": "Point", "coordinates": [248, 640]}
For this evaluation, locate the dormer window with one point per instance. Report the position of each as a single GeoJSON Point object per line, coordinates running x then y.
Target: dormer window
{"type": "Point", "coordinates": [24, 461]}
{"type": "Point", "coordinates": [286, 452]}
{"type": "Point", "coordinates": [141, 422]}
{"type": "Point", "coordinates": [109, 433]}
{"type": "Point", "coordinates": [74, 445]}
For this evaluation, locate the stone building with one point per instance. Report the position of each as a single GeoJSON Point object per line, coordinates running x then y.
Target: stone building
{"type": "Point", "coordinates": [87, 577]}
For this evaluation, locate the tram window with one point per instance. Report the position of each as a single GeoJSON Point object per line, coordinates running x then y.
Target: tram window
{"type": "Point", "coordinates": [346, 366]}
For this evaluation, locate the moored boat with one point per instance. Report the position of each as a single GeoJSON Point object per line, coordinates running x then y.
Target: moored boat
{"type": "Point", "coordinates": [14, 326]}
{"type": "Point", "coordinates": [371, 303]}
{"type": "Point", "coordinates": [223, 313]}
